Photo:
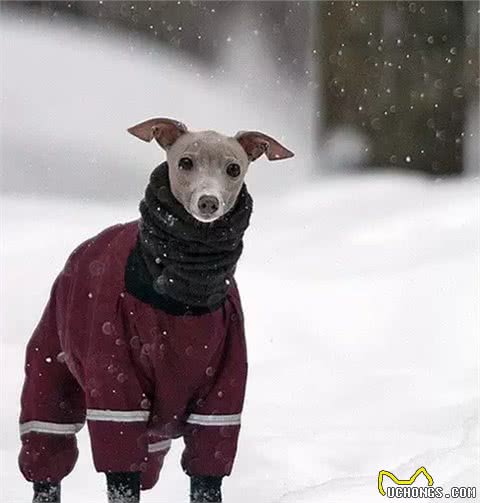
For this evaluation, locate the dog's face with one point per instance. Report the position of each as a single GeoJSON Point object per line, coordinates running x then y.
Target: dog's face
{"type": "Point", "coordinates": [206, 172]}
{"type": "Point", "coordinates": [206, 169]}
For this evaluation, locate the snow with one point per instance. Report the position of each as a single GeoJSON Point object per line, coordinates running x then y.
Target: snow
{"type": "Point", "coordinates": [360, 294]}
{"type": "Point", "coordinates": [361, 302]}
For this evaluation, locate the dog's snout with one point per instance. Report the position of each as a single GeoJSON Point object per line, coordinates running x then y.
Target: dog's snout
{"type": "Point", "coordinates": [208, 205]}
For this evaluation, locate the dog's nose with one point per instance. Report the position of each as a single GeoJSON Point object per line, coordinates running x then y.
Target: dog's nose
{"type": "Point", "coordinates": [208, 205]}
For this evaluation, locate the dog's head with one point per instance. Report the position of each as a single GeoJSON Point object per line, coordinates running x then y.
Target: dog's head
{"type": "Point", "coordinates": [206, 168]}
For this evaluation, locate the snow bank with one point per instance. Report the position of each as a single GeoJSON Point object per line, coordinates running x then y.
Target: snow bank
{"type": "Point", "coordinates": [69, 93]}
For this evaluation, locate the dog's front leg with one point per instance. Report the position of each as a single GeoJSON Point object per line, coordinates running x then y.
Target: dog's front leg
{"type": "Point", "coordinates": [46, 492]}
{"type": "Point", "coordinates": [205, 489]}
{"type": "Point", "coordinates": [123, 487]}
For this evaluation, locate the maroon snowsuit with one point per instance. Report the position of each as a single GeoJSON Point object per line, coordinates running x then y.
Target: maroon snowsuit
{"type": "Point", "coordinates": [138, 375]}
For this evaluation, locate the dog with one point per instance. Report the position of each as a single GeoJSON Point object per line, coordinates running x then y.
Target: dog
{"type": "Point", "coordinates": [143, 335]}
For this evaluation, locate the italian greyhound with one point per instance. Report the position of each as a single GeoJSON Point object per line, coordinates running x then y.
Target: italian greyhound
{"type": "Point", "coordinates": [118, 344]}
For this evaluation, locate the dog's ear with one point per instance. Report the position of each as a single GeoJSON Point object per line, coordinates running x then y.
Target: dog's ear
{"type": "Point", "coordinates": [165, 131]}
{"type": "Point", "coordinates": [255, 144]}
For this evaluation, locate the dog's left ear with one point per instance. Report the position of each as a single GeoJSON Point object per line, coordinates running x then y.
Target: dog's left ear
{"type": "Point", "coordinates": [165, 131]}
{"type": "Point", "coordinates": [255, 144]}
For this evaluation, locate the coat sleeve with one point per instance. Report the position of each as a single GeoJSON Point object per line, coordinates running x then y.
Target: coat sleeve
{"type": "Point", "coordinates": [213, 425]}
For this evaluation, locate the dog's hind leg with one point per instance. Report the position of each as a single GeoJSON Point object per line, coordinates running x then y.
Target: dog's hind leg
{"type": "Point", "coordinates": [157, 450]}
{"type": "Point", "coordinates": [52, 410]}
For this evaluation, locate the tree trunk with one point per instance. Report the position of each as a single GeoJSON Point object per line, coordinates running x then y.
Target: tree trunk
{"type": "Point", "coordinates": [395, 71]}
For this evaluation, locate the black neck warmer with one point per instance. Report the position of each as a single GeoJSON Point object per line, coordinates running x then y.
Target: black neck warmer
{"type": "Point", "coordinates": [189, 261]}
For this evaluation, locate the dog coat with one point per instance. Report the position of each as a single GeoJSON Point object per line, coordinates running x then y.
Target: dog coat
{"type": "Point", "coordinates": [139, 376]}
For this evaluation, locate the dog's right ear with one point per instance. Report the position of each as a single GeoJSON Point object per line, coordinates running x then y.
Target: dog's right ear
{"type": "Point", "coordinates": [165, 131]}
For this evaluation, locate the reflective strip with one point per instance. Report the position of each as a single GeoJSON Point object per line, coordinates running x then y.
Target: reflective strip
{"type": "Point", "coordinates": [118, 416]}
{"type": "Point", "coordinates": [214, 420]}
{"type": "Point", "coordinates": [160, 446]}
{"type": "Point", "coordinates": [53, 428]}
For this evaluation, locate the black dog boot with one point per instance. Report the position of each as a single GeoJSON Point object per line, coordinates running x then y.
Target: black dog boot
{"type": "Point", "coordinates": [46, 492]}
{"type": "Point", "coordinates": [205, 489]}
{"type": "Point", "coordinates": [123, 487]}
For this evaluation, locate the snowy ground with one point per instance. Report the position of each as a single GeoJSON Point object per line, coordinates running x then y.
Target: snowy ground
{"type": "Point", "coordinates": [361, 300]}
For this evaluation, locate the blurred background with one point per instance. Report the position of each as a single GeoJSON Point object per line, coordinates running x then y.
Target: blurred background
{"type": "Point", "coordinates": [350, 86]}
{"type": "Point", "coordinates": [366, 243]}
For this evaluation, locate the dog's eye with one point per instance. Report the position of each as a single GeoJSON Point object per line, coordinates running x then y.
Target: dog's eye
{"type": "Point", "coordinates": [233, 170]}
{"type": "Point", "coordinates": [185, 163]}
